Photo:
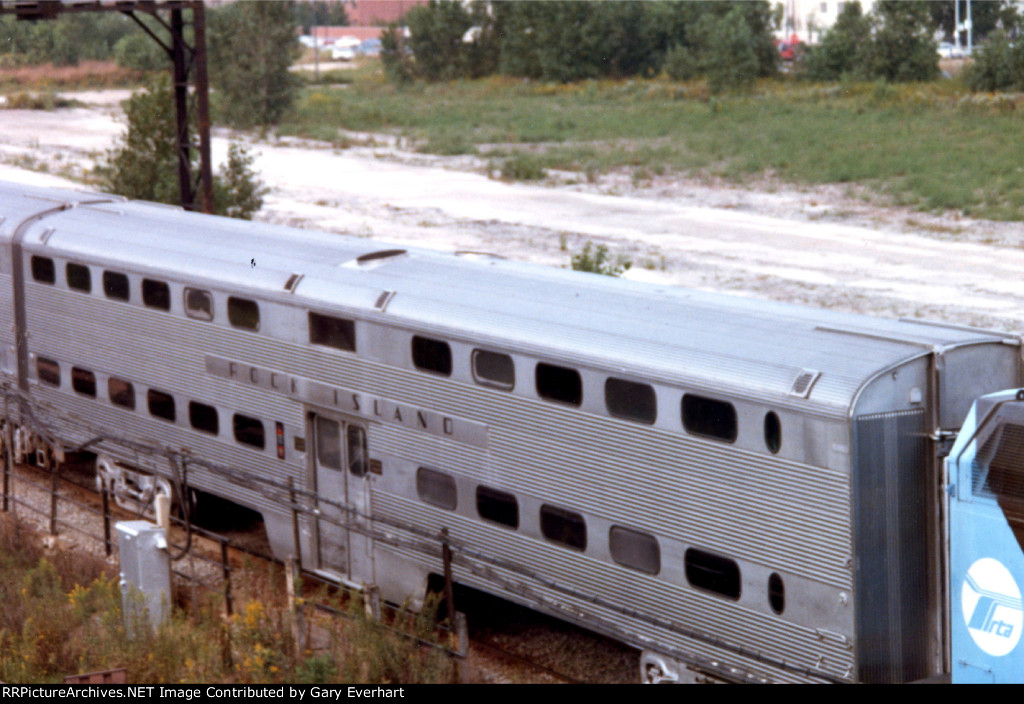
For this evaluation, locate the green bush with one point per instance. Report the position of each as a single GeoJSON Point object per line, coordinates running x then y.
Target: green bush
{"type": "Point", "coordinates": [680, 64]}
{"type": "Point", "coordinates": [730, 60]}
{"type": "Point", "coordinates": [145, 164]}
{"type": "Point", "coordinates": [996, 66]}
{"type": "Point", "coordinates": [599, 261]}
{"type": "Point", "coordinates": [843, 51]}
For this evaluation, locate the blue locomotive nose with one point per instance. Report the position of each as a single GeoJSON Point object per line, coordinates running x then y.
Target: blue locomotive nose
{"type": "Point", "coordinates": [985, 474]}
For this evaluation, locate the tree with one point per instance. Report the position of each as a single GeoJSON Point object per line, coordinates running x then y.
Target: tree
{"type": "Point", "coordinates": [730, 59]}
{"type": "Point", "coordinates": [844, 48]}
{"type": "Point", "coordinates": [902, 46]}
{"type": "Point", "coordinates": [252, 48]}
{"type": "Point", "coordinates": [145, 164]}
{"type": "Point", "coordinates": [998, 65]}
{"type": "Point", "coordinates": [436, 32]}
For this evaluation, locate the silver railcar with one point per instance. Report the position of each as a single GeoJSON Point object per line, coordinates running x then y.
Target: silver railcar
{"type": "Point", "coordinates": [745, 490]}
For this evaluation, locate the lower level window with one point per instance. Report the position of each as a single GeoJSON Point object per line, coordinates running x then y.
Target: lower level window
{"type": "Point", "coordinates": [249, 431]}
{"type": "Point", "coordinates": [561, 526]}
{"type": "Point", "coordinates": [161, 404]}
{"type": "Point", "coordinates": [48, 371]}
{"type": "Point", "coordinates": [714, 573]}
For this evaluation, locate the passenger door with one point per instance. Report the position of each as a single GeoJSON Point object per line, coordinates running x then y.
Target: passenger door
{"type": "Point", "coordinates": [342, 484]}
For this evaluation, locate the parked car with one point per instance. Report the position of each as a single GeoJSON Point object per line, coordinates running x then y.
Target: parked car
{"type": "Point", "coordinates": [948, 50]}
{"type": "Point", "coordinates": [343, 53]}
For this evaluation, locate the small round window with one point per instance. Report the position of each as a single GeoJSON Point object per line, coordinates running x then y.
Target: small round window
{"type": "Point", "coordinates": [772, 432]}
{"type": "Point", "coordinates": [776, 593]}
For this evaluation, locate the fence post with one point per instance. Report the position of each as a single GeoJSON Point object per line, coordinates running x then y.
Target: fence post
{"type": "Point", "coordinates": [293, 584]}
{"type": "Point", "coordinates": [227, 576]}
{"type": "Point", "coordinates": [295, 521]}
{"type": "Point", "coordinates": [108, 544]}
{"type": "Point", "coordinates": [53, 496]}
{"type": "Point", "coordinates": [8, 459]}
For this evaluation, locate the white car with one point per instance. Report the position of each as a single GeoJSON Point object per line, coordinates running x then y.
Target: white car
{"type": "Point", "coordinates": [343, 53]}
{"type": "Point", "coordinates": [948, 50]}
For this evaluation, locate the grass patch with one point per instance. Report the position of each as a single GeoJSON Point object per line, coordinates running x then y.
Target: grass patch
{"type": "Point", "coordinates": [62, 615]}
{"type": "Point", "coordinates": [930, 146]}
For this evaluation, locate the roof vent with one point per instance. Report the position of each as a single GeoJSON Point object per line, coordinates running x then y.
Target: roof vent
{"type": "Point", "coordinates": [377, 257]}
{"type": "Point", "coordinates": [293, 282]}
{"type": "Point", "coordinates": [471, 254]}
{"type": "Point", "coordinates": [804, 382]}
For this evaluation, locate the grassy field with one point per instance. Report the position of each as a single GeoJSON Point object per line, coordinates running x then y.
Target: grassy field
{"type": "Point", "coordinates": [932, 146]}
{"type": "Point", "coordinates": [62, 615]}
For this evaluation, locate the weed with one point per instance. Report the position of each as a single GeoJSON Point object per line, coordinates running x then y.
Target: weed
{"type": "Point", "coordinates": [521, 167]}
{"type": "Point", "coordinates": [599, 261]}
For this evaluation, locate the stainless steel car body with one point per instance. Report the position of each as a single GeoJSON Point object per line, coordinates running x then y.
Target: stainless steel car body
{"type": "Point", "coordinates": [766, 510]}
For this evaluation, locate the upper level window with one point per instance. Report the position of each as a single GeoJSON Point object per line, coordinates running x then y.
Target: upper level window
{"type": "Point", "coordinates": [561, 526]}
{"type": "Point", "coordinates": [630, 400]}
{"type": "Point", "coordinates": [115, 285]}
{"type": "Point", "coordinates": [249, 431]}
{"type": "Point", "coordinates": [634, 549]}
{"type": "Point", "coordinates": [436, 488]}
{"type": "Point", "coordinates": [83, 381]}
{"type": "Point", "coordinates": [243, 313]}
{"type": "Point", "coordinates": [198, 304]}
{"type": "Point", "coordinates": [79, 277]}
{"type": "Point", "coordinates": [709, 417]}
{"type": "Point", "coordinates": [161, 404]}
{"type": "Point", "coordinates": [715, 573]}
{"type": "Point", "coordinates": [203, 417]}
{"type": "Point", "coordinates": [43, 270]}
{"type": "Point", "coordinates": [156, 294]}
{"type": "Point", "coordinates": [494, 369]}
{"type": "Point", "coordinates": [432, 355]}
{"type": "Point", "coordinates": [338, 333]}
{"type": "Point", "coordinates": [497, 506]}
{"type": "Point", "coordinates": [559, 384]}
{"type": "Point", "coordinates": [48, 371]}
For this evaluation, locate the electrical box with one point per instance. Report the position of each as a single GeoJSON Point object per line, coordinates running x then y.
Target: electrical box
{"type": "Point", "coordinates": [145, 574]}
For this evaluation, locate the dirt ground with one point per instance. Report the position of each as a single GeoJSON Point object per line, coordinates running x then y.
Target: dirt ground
{"type": "Point", "coordinates": [821, 246]}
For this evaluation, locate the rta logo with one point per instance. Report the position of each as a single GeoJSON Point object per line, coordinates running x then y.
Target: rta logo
{"type": "Point", "coordinates": [992, 607]}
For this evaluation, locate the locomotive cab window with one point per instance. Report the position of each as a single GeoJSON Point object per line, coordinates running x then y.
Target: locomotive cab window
{"type": "Point", "coordinates": [249, 431]}
{"type": "Point", "coordinates": [497, 506]}
{"type": "Point", "coordinates": [121, 393]}
{"type": "Point", "coordinates": [713, 573]}
{"type": "Point", "coordinates": [203, 417]}
{"type": "Point", "coordinates": [633, 549]}
{"type": "Point", "coordinates": [161, 405]}
{"type": "Point", "coordinates": [709, 417]}
{"type": "Point", "coordinates": [565, 527]}
{"type": "Point", "coordinates": [83, 381]}
{"type": "Point", "coordinates": [494, 369]}
{"type": "Point", "coordinates": [560, 384]}
{"type": "Point", "coordinates": [198, 304]}
{"type": "Point", "coordinates": [243, 313]}
{"type": "Point", "coordinates": [436, 488]}
{"type": "Point", "coordinates": [630, 401]}
{"type": "Point", "coordinates": [156, 294]}
{"type": "Point", "coordinates": [48, 371]}
{"type": "Point", "coordinates": [433, 356]}
{"type": "Point", "coordinates": [332, 332]}
{"type": "Point", "coordinates": [115, 285]}
{"type": "Point", "coordinates": [43, 270]}
{"type": "Point", "coordinates": [79, 277]}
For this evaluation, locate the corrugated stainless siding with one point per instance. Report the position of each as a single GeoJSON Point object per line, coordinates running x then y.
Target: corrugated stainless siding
{"type": "Point", "coordinates": [892, 497]}
{"type": "Point", "coordinates": [736, 626]}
